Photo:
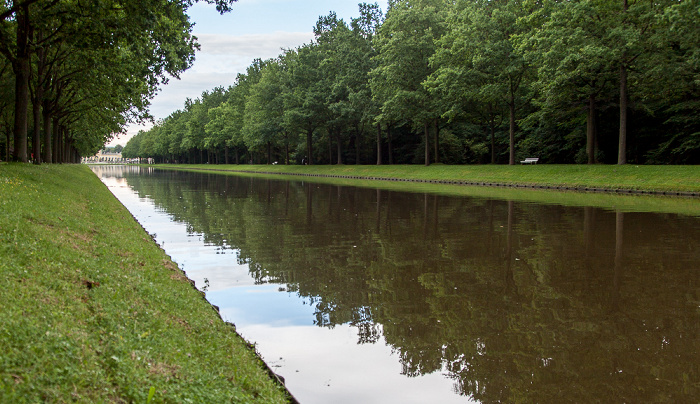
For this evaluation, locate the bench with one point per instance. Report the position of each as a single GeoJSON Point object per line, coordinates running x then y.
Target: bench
{"type": "Point", "coordinates": [530, 160]}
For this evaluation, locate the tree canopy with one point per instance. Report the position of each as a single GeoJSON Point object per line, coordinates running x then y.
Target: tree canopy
{"type": "Point", "coordinates": [86, 69]}
{"type": "Point", "coordinates": [428, 81]}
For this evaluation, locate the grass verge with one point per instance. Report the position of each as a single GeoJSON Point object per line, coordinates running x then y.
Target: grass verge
{"type": "Point", "coordinates": [353, 176]}
{"type": "Point", "coordinates": [94, 311]}
{"type": "Point", "coordinates": [601, 177]}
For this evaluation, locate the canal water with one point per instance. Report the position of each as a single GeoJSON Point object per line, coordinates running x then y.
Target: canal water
{"type": "Point", "coordinates": [358, 295]}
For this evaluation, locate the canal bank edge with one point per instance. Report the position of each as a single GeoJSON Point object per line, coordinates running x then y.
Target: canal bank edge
{"type": "Point", "coordinates": [94, 310]}
{"type": "Point", "coordinates": [492, 184]}
{"type": "Point", "coordinates": [278, 379]}
{"type": "Point", "coordinates": [612, 188]}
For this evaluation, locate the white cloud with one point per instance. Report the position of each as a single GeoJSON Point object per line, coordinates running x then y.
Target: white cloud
{"type": "Point", "coordinates": [218, 62]}
{"type": "Point", "coordinates": [251, 45]}
{"type": "Point", "coordinates": [324, 365]}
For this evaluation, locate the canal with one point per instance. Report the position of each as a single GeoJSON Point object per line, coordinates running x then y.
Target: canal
{"type": "Point", "coordinates": [378, 296]}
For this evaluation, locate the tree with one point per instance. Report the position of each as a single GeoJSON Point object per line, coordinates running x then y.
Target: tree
{"type": "Point", "coordinates": [477, 52]}
{"type": "Point", "coordinates": [347, 54]}
{"type": "Point", "coordinates": [305, 102]}
{"type": "Point", "coordinates": [405, 42]}
{"type": "Point", "coordinates": [155, 33]}
{"type": "Point", "coordinates": [196, 135]}
{"type": "Point", "coordinates": [264, 112]}
{"type": "Point", "coordinates": [573, 59]}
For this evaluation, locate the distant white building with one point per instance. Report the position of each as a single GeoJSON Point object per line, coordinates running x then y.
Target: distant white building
{"type": "Point", "coordinates": [108, 158]}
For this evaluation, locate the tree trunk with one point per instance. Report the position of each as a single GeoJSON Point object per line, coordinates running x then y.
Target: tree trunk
{"type": "Point", "coordinates": [59, 145]}
{"type": "Point", "coordinates": [55, 130]}
{"type": "Point", "coordinates": [309, 147]}
{"type": "Point", "coordinates": [493, 143]}
{"type": "Point", "coordinates": [591, 130]}
{"type": "Point", "coordinates": [589, 234]}
{"type": "Point", "coordinates": [38, 101]}
{"type": "Point", "coordinates": [330, 148]}
{"type": "Point", "coordinates": [65, 152]}
{"type": "Point", "coordinates": [70, 149]}
{"type": "Point", "coordinates": [619, 258]}
{"type": "Point", "coordinates": [8, 139]}
{"type": "Point", "coordinates": [21, 68]}
{"type": "Point", "coordinates": [47, 135]}
{"type": "Point", "coordinates": [508, 276]}
{"type": "Point", "coordinates": [622, 145]}
{"type": "Point", "coordinates": [427, 143]}
{"type": "Point", "coordinates": [511, 141]}
{"type": "Point", "coordinates": [269, 152]}
{"type": "Point", "coordinates": [357, 145]}
{"type": "Point", "coordinates": [34, 153]}
{"type": "Point", "coordinates": [389, 144]}
{"type": "Point", "coordinates": [339, 147]}
{"type": "Point", "coordinates": [21, 109]}
{"type": "Point", "coordinates": [309, 205]}
{"type": "Point", "coordinates": [492, 129]}
{"type": "Point", "coordinates": [286, 148]}
{"type": "Point", "coordinates": [379, 144]}
{"type": "Point", "coordinates": [36, 133]}
{"type": "Point", "coordinates": [436, 129]}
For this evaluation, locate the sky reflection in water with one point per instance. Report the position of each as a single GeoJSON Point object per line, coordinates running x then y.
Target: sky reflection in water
{"type": "Point", "coordinates": [320, 365]}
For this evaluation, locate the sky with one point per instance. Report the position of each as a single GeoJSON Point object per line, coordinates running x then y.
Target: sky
{"type": "Point", "coordinates": [230, 43]}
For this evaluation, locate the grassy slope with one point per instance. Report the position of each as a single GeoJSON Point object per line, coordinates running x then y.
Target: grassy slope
{"type": "Point", "coordinates": [647, 178]}
{"type": "Point", "coordinates": [688, 176]}
{"type": "Point", "coordinates": [93, 311]}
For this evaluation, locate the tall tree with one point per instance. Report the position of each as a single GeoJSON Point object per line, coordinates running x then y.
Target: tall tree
{"type": "Point", "coordinates": [574, 66]}
{"type": "Point", "coordinates": [405, 42]}
{"type": "Point", "coordinates": [305, 103]}
{"type": "Point", "coordinates": [478, 51]}
{"type": "Point", "coordinates": [264, 112]}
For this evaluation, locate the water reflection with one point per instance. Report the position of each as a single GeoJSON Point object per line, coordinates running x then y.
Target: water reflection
{"type": "Point", "coordinates": [513, 302]}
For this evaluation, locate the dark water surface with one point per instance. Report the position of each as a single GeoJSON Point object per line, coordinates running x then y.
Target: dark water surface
{"type": "Point", "coordinates": [360, 295]}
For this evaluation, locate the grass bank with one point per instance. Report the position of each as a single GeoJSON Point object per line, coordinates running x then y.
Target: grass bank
{"type": "Point", "coordinates": [651, 179]}
{"type": "Point", "coordinates": [356, 176]}
{"type": "Point", "coordinates": [94, 311]}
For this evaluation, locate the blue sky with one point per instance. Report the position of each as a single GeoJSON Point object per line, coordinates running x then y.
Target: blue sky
{"type": "Point", "coordinates": [230, 42]}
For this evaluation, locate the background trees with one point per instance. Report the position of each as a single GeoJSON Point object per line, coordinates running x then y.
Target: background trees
{"type": "Point", "coordinates": [264, 112]}
{"type": "Point", "coordinates": [458, 82]}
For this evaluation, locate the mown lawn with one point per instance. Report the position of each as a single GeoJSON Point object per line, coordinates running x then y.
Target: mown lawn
{"type": "Point", "coordinates": [94, 311]}
{"type": "Point", "coordinates": [357, 176]}
{"type": "Point", "coordinates": [628, 177]}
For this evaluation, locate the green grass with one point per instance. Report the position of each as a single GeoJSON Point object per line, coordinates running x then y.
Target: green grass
{"type": "Point", "coordinates": [611, 177]}
{"type": "Point", "coordinates": [94, 311]}
{"type": "Point", "coordinates": [670, 175]}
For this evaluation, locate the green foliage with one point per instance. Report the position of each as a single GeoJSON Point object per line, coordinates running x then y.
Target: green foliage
{"type": "Point", "coordinates": [264, 108]}
{"type": "Point", "coordinates": [515, 79]}
{"type": "Point", "coordinates": [405, 42]}
{"type": "Point", "coordinates": [92, 68]}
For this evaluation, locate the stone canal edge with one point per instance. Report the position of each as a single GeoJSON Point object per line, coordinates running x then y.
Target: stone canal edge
{"type": "Point", "coordinates": [622, 191]}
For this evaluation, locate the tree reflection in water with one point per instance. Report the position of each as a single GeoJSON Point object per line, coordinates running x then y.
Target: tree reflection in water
{"type": "Point", "coordinates": [517, 302]}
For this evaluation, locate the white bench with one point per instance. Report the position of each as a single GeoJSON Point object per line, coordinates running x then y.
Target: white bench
{"type": "Point", "coordinates": [530, 160]}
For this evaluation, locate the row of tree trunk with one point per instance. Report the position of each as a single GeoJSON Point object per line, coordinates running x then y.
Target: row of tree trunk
{"type": "Point", "coordinates": [52, 145]}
